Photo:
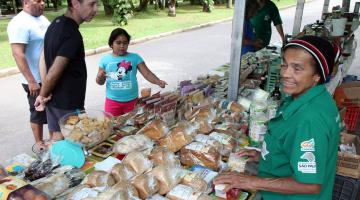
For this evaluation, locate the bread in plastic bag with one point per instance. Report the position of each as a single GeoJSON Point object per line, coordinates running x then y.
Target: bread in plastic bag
{"type": "Point", "coordinates": [155, 129]}
{"type": "Point", "coordinates": [181, 135]}
{"type": "Point", "coordinates": [167, 176]}
{"type": "Point", "coordinates": [127, 190]}
{"type": "Point", "coordinates": [146, 185]}
{"type": "Point", "coordinates": [163, 156]}
{"type": "Point", "coordinates": [183, 192]}
{"type": "Point", "coordinates": [237, 163]}
{"type": "Point", "coordinates": [132, 143]}
{"type": "Point", "coordinates": [122, 172]}
{"type": "Point", "coordinates": [138, 161]}
{"type": "Point", "coordinates": [228, 141]}
{"type": "Point", "coordinates": [99, 179]}
{"type": "Point", "coordinates": [201, 154]}
{"type": "Point", "coordinates": [201, 180]}
{"type": "Point", "coordinates": [157, 197]}
{"type": "Point", "coordinates": [210, 142]}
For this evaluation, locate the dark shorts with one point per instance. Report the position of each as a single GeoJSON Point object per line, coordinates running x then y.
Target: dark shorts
{"type": "Point", "coordinates": [54, 115]}
{"type": "Point", "coordinates": [35, 116]}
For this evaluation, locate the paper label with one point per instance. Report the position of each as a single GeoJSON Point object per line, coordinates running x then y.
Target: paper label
{"type": "Point", "coordinates": [198, 146]}
{"type": "Point", "coordinates": [184, 192]}
{"type": "Point", "coordinates": [208, 175]}
{"type": "Point", "coordinates": [222, 138]}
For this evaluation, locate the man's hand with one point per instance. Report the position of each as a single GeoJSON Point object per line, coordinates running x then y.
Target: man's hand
{"type": "Point", "coordinates": [253, 155]}
{"type": "Point", "coordinates": [34, 88]}
{"type": "Point", "coordinates": [236, 180]}
{"type": "Point", "coordinates": [40, 103]}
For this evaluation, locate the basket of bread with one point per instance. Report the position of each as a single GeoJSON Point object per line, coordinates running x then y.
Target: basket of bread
{"type": "Point", "coordinates": [86, 127]}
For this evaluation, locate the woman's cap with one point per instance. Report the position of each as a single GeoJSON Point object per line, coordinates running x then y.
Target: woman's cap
{"type": "Point", "coordinates": [322, 51]}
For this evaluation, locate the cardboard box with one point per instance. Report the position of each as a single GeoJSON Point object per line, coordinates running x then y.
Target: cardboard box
{"type": "Point", "coordinates": [349, 164]}
{"type": "Point", "coordinates": [347, 94]}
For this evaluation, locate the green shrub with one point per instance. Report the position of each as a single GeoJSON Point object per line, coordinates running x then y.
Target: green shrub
{"type": "Point", "coordinates": [123, 10]}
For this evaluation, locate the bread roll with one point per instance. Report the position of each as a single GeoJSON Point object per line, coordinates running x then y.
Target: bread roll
{"type": "Point", "coordinates": [146, 185]}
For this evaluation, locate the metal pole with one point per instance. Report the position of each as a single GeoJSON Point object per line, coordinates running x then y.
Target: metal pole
{"type": "Point", "coordinates": [236, 45]}
{"type": "Point", "coordinates": [326, 6]}
{"type": "Point", "coordinates": [298, 17]}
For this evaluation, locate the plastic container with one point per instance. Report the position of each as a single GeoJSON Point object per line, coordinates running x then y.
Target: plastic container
{"type": "Point", "coordinates": [346, 188]}
{"type": "Point", "coordinates": [86, 127]}
{"type": "Point", "coordinates": [352, 116]}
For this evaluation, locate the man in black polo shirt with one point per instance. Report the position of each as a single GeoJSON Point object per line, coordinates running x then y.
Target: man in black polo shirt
{"type": "Point", "coordinates": [65, 80]}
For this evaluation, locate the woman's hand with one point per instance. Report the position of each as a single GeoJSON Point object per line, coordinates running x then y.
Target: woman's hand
{"type": "Point", "coordinates": [161, 83]}
{"type": "Point", "coordinates": [236, 180]}
{"type": "Point", "coordinates": [252, 154]}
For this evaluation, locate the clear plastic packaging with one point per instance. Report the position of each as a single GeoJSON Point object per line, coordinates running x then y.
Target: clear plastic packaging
{"type": "Point", "coordinates": [138, 161]}
{"type": "Point", "coordinates": [99, 179]}
{"type": "Point", "coordinates": [132, 143]}
{"type": "Point", "coordinates": [167, 176]}
{"type": "Point", "coordinates": [163, 156]}
{"type": "Point", "coordinates": [183, 192]}
{"type": "Point", "coordinates": [122, 172]}
{"type": "Point", "coordinates": [87, 127]}
{"type": "Point", "coordinates": [182, 134]}
{"type": "Point", "coordinates": [199, 153]}
{"type": "Point", "coordinates": [228, 141]}
{"type": "Point", "coordinates": [155, 130]}
{"type": "Point", "coordinates": [205, 139]}
{"type": "Point", "coordinates": [237, 163]}
{"type": "Point", "coordinates": [146, 185]}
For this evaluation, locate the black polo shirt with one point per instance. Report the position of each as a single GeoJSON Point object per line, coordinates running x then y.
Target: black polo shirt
{"type": "Point", "coordinates": [63, 38]}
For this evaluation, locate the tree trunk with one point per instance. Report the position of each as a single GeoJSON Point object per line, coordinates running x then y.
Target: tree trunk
{"type": "Point", "coordinates": [143, 5]}
{"type": "Point", "coordinates": [108, 10]}
{"type": "Point", "coordinates": [172, 10]}
{"type": "Point", "coordinates": [206, 8]}
{"type": "Point", "coordinates": [229, 4]}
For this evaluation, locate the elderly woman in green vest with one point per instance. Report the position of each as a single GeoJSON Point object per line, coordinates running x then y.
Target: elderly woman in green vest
{"type": "Point", "coordinates": [299, 152]}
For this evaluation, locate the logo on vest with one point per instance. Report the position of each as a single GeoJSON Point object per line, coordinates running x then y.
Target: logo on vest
{"type": "Point", "coordinates": [307, 167]}
{"type": "Point", "coordinates": [308, 145]}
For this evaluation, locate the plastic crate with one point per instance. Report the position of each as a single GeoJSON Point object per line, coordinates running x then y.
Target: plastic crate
{"type": "Point", "coordinates": [351, 118]}
{"type": "Point", "coordinates": [273, 76]}
{"type": "Point", "coordinates": [346, 188]}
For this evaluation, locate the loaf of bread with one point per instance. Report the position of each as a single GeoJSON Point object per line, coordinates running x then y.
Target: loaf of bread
{"type": "Point", "coordinates": [167, 177]}
{"type": "Point", "coordinates": [200, 154]}
{"type": "Point", "coordinates": [138, 161]}
{"type": "Point", "coordinates": [127, 190]}
{"type": "Point", "coordinates": [183, 192]}
{"type": "Point", "coordinates": [155, 130]}
{"type": "Point", "coordinates": [132, 143]}
{"type": "Point", "coordinates": [228, 141]}
{"type": "Point", "coordinates": [122, 172]}
{"type": "Point", "coordinates": [146, 185]}
{"type": "Point", "coordinates": [178, 137]}
{"type": "Point", "coordinates": [99, 179]}
{"type": "Point", "coordinates": [163, 156]}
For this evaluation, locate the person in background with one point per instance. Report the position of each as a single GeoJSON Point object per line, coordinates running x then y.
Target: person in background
{"type": "Point", "coordinates": [299, 152]}
{"type": "Point", "coordinates": [64, 55]}
{"type": "Point", "coordinates": [249, 41]}
{"type": "Point", "coordinates": [119, 70]}
{"type": "Point", "coordinates": [26, 33]}
{"type": "Point", "coordinates": [267, 13]}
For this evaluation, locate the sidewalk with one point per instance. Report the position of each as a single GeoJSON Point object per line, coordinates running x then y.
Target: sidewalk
{"type": "Point", "coordinates": [14, 70]}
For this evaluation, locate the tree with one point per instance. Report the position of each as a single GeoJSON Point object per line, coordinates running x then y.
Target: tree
{"type": "Point", "coordinates": [172, 8]}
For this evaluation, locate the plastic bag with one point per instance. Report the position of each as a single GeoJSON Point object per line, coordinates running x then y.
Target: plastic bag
{"type": "Point", "coordinates": [202, 154]}
{"type": "Point", "coordinates": [132, 143]}
{"type": "Point", "coordinates": [237, 163]}
{"type": "Point", "coordinates": [182, 134]}
{"type": "Point", "coordinates": [228, 141]}
{"type": "Point", "coordinates": [146, 185]}
{"type": "Point", "coordinates": [183, 192]}
{"type": "Point", "coordinates": [167, 176]}
{"type": "Point", "coordinates": [122, 172]}
{"type": "Point", "coordinates": [163, 156]}
{"type": "Point", "coordinates": [155, 129]}
{"type": "Point", "coordinates": [138, 161]}
{"type": "Point", "coordinates": [99, 179]}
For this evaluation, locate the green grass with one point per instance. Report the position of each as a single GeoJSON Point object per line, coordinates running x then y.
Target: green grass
{"type": "Point", "coordinates": [142, 24]}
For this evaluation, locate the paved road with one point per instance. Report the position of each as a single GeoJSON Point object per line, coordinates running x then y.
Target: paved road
{"type": "Point", "coordinates": [173, 58]}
